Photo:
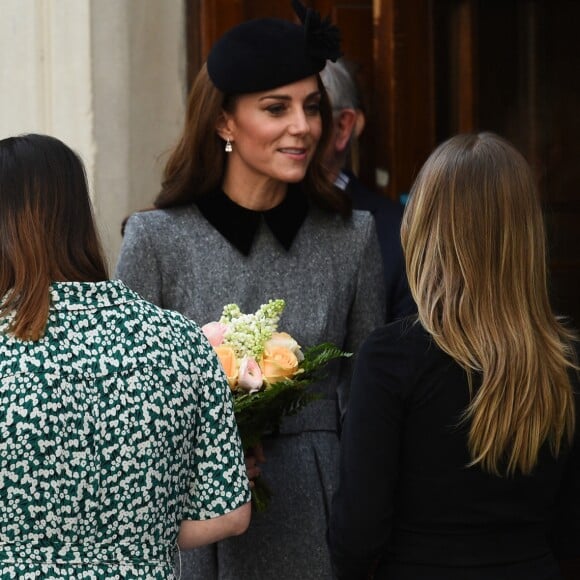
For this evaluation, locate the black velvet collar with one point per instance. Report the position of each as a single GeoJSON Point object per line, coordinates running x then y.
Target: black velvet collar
{"type": "Point", "coordinates": [239, 225]}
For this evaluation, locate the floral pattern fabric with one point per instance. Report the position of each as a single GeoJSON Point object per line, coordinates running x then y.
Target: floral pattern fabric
{"type": "Point", "coordinates": [114, 427]}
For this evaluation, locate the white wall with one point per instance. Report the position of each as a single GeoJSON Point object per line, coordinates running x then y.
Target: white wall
{"type": "Point", "coordinates": [108, 78]}
{"type": "Point", "coordinates": [45, 71]}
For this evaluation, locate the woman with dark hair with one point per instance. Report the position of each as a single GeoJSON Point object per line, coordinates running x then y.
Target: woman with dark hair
{"type": "Point", "coordinates": [471, 410]}
{"type": "Point", "coordinates": [111, 410]}
{"type": "Point", "coordinates": [246, 214]}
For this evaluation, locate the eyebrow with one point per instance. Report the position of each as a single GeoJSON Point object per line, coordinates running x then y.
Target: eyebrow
{"type": "Point", "coordinates": [288, 97]}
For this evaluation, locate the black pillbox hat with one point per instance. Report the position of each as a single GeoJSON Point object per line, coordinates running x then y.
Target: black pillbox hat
{"type": "Point", "coordinates": [266, 53]}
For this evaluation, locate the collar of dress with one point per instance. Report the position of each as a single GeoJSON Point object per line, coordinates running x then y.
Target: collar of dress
{"type": "Point", "coordinates": [89, 295]}
{"type": "Point", "coordinates": [239, 225]}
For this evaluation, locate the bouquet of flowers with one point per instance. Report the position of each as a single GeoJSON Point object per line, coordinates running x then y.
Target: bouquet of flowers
{"type": "Point", "coordinates": [267, 371]}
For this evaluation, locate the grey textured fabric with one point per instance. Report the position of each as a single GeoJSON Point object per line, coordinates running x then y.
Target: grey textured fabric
{"type": "Point", "coordinates": [332, 282]}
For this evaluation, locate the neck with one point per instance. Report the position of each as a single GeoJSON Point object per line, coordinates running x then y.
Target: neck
{"type": "Point", "coordinates": [257, 195]}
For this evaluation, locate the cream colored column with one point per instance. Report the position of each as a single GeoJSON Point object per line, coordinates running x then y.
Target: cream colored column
{"type": "Point", "coordinates": [108, 78]}
{"type": "Point", "coordinates": [45, 72]}
{"type": "Point", "coordinates": [138, 69]}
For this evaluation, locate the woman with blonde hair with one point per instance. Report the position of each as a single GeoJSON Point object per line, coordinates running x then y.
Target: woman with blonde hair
{"type": "Point", "coordinates": [473, 406]}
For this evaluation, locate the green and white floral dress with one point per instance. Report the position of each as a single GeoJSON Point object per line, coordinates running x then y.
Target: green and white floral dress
{"type": "Point", "coordinates": [114, 427]}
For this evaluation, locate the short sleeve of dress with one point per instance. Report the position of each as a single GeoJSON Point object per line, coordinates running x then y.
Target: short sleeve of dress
{"type": "Point", "coordinates": [138, 266]}
{"type": "Point", "coordinates": [367, 310]}
{"type": "Point", "coordinates": [218, 482]}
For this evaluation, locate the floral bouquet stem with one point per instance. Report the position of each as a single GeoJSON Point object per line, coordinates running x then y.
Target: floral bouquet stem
{"type": "Point", "coordinates": [261, 494]}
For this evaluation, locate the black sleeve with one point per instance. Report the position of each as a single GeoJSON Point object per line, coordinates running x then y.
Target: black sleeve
{"type": "Point", "coordinates": [362, 508]}
{"type": "Point", "coordinates": [565, 536]}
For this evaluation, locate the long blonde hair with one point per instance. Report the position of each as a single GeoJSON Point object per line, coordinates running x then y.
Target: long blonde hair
{"type": "Point", "coordinates": [474, 244]}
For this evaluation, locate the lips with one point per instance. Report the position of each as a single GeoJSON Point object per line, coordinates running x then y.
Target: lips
{"type": "Point", "coordinates": [293, 150]}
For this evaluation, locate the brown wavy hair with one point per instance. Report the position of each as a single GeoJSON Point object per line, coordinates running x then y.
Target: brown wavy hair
{"type": "Point", "coordinates": [474, 243]}
{"type": "Point", "coordinates": [47, 232]}
{"type": "Point", "coordinates": [197, 163]}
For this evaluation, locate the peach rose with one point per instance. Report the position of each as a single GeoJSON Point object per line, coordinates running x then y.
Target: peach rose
{"type": "Point", "coordinates": [285, 340]}
{"type": "Point", "coordinates": [227, 357]}
{"type": "Point", "coordinates": [214, 332]}
{"type": "Point", "coordinates": [278, 362]}
{"type": "Point", "coordinates": [250, 375]}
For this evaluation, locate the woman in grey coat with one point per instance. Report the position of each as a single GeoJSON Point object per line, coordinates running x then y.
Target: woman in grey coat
{"type": "Point", "coordinates": [246, 214]}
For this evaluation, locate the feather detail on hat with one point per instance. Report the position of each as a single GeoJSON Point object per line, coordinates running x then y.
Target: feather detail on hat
{"type": "Point", "coordinates": [322, 37]}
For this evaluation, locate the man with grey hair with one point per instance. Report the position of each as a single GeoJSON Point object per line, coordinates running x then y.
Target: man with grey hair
{"type": "Point", "coordinates": [348, 123]}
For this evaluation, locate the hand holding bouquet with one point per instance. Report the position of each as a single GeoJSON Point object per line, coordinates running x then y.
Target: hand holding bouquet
{"type": "Point", "coordinates": [266, 370]}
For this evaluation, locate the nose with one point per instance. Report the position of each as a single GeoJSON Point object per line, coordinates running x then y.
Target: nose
{"type": "Point", "coordinates": [299, 124]}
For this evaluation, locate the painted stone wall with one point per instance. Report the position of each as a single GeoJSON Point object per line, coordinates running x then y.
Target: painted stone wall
{"type": "Point", "coordinates": [108, 78]}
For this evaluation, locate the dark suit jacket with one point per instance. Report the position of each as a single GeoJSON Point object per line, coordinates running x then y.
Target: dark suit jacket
{"type": "Point", "coordinates": [387, 216]}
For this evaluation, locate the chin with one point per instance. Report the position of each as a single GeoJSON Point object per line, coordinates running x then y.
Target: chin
{"type": "Point", "coordinates": [294, 180]}
{"type": "Point", "coordinates": [293, 177]}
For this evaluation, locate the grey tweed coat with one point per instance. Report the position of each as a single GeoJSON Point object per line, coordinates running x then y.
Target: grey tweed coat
{"type": "Point", "coordinates": [332, 282]}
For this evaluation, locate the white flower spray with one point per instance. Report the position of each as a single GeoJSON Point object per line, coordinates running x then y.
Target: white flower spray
{"type": "Point", "coordinates": [248, 333]}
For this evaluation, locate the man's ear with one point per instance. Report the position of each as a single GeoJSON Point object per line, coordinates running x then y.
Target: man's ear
{"type": "Point", "coordinates": [222, 126]}
{"type": "Point", "coordinates": [343, 128]}
{"type": "Point", "coordinates": [359, 124]}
